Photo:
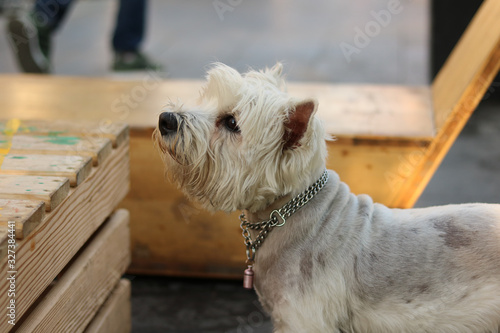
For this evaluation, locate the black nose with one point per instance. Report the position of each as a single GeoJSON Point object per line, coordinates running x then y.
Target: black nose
{"type": "Point", "coordinates": [168, 123]}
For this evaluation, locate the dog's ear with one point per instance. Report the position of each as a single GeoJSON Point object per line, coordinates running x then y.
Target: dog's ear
{"type": "Point", "coordinates": [297, 123]}
{"type": "Point", "coordinates": [222, 84]}
{"type": "Point", "coordinates": [277, 70]}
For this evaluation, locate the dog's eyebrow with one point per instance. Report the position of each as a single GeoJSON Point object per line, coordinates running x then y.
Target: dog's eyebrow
{"type": "Point", "coordinates": [228, 112]}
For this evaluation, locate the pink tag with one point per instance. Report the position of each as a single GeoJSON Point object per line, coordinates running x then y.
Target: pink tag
{"type": "Point", "coordinates": [248, 278]}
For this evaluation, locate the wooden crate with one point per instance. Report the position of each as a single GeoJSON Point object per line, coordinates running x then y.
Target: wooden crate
{"type": "Point", "coordinates": [86, 284]}
{"type": "Point", "coordinates": [58, 183]}
{"type": "Point", "coordinates": [114, 315]}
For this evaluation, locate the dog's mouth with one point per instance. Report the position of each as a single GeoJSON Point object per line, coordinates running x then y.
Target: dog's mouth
{"type": "Point", "coordinates": [172, 153]}
{"type": "Point", "coordinates": [168, 145]}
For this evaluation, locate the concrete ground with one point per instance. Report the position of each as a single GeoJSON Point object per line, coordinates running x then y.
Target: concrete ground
{"type": "Point", "coordinates": [317, 41]}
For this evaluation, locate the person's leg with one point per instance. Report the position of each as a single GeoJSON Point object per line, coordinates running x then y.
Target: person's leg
{"type": "Point", "coordinates": [128, 35]}
{"type": "Point", "coordinates": [50, 13]}
{"type": "Point", "coordinates": [130, 25]}
{"type": "Point", "coordinates": [30, 35]}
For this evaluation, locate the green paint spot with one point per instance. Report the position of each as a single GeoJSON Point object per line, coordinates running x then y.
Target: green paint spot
{"type": "Point", "coordinates": [28, 190]}
{"type": "Point", "coordinates": [3, 141]}
{"type": "Point", "coordinates": [18, 157]}
{"type": "Point", "coordinates": [62, 140]}
{"type": "Point", "coordinates": [56, 133]}
{"type": "Point", "coordinates": [27, 129]}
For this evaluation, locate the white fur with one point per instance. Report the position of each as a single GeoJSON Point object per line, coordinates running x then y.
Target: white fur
{"type": "Point", "coordinates": [211, 165]}
{"type": "Point", "coordinates": [341, 263]}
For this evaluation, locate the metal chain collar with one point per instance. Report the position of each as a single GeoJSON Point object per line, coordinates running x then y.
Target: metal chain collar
{"type": "Point", "coordinates": [277, 218]}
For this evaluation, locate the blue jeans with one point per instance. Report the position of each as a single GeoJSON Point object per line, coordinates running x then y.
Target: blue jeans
{"type": "Point", "coordinates": [129, 28]}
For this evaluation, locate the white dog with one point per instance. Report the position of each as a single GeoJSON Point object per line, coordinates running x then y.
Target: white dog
{"type": "Point", "coordinates": [324, 259]}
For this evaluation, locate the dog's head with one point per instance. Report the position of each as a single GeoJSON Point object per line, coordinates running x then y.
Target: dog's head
{"type": "Point", "coordinates": [246, 145]}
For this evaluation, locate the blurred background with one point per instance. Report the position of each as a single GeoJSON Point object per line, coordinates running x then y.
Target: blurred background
{"type": "Point", "coordinates": [186, 36]}
{"type": "Point", "coordinates": [317, 41]}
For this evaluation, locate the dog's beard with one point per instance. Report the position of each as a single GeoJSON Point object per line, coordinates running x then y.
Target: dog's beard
{"type": "Point", "coordinates": [188, 161]}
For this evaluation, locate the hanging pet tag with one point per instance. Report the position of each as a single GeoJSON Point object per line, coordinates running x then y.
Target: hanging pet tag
{"type": "Point", "coordinates": [248, 278]}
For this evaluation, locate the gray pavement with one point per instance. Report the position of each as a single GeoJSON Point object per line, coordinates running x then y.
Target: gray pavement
{"type": "Point", "coordinates": [309, 37]}
{"type": "Point", "coordinates": [185, 36]}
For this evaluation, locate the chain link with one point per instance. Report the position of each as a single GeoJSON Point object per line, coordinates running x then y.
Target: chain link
{"type": "Point", "coordinates": [277, 218]}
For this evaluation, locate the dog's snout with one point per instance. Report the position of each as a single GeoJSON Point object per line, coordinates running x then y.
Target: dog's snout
{"type": "Point", "coordinates": [168, 123]}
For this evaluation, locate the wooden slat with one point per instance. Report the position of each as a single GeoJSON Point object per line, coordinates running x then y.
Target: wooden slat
{"type": "Point", "coordinates": [3, 242]}
{"type": "Point", "coordinates": [97, 148]}
{"type": "Point", "coordinates": [457, 90]}
{"type": "Point", "coordinates": [75, 168]}
{"type": "Point", "coordinates": [26, 214]}
{"type": "Point", "coordinates": [64, 231]}
{"type": "Point", "coordinates": [471, 67]}
{"type": "Point", "coordinates": [115, 314]}
{"type": "Point", "coordinates": [116, 132]}
{"type": "Point", "coordinates": [51, 190]}
{"type": "Point", "coordinates": [85, 285]}
{"type": "Point", "coordinates": [372, 111]}
{"type": "Point", "coordinates": [364, 111]}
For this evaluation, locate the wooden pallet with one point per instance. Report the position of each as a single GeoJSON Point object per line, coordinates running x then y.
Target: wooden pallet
{"type": "Point", "coordinates": [72, 301]}
{"type": "Point", "coordinates": [114, 315]}
{"type": "Point", "coordinates": [58, 183]}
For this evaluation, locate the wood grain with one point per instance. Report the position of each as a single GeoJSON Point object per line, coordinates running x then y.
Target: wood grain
{"type": "Point", "coordinates": [3, 241]}
{"type": "Point", "coordinates": [365, 111]}
{"type": "Point", "coordinates": [97, 148]}
{"type": "Point", "coordinates": [116, 132]}
{"type": "Point", "coordinates": [46, 251]}
{"type": "Point", "coordinates": [51, 190]}
{"type": "Point", "coordinates": [84, 286]}
{"type": "Point", "coordinates": [372, 111]}
{"type": "Point", "coordinates": [470, 68]}
{"type": "Point", "coordinates": [457, 90]}
{"type": "Point", "coordinates": [75, 168]}
{"type": "Point", "coordinates": [114, 315]}
{"type": "Point", "coordinates": [26, 215]}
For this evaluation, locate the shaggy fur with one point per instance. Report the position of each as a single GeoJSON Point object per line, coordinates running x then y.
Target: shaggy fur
{"type": "Point", "coordinates": [341, 263]}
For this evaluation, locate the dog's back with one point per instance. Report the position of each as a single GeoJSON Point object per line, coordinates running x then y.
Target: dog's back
{"type": "Point", "coordinates": [437, 268]}
{"type": "Point", "coordinates": [351, 265]}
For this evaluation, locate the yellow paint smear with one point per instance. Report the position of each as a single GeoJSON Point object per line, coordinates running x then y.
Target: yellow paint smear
{"type": "Point", "coordinates": [10, 130]}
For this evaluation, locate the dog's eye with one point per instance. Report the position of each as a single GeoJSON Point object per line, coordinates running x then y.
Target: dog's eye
{"type": "Point", "coordinates": [231, 124]}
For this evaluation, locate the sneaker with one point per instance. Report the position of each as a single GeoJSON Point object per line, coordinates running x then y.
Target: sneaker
{"type": "Point", "coordinates": [133, 61]}
{"type": "Point", "coordinates": [31, 44]}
